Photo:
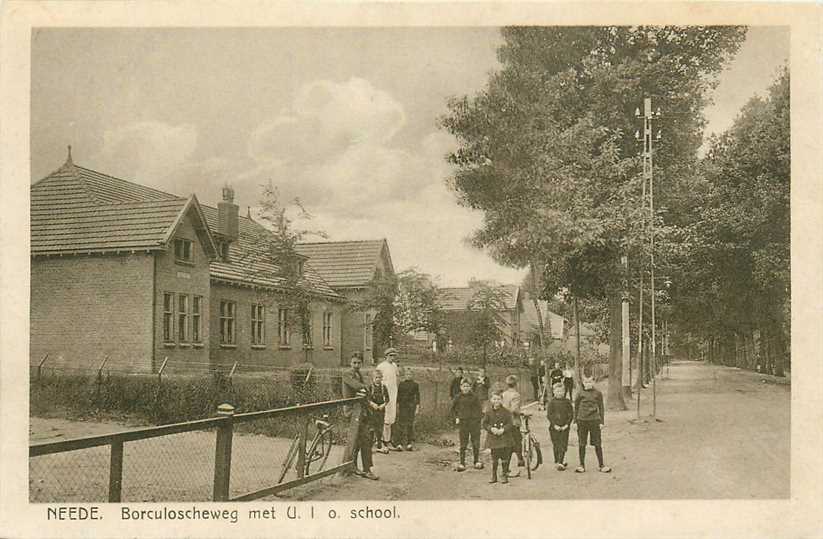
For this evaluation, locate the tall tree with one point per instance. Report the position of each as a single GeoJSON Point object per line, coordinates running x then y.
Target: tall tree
{"type": "Point", "coordinates": [485, 307]}
{"type": "Point", "coordinates": [734, 261]}
{"type": "Point", "coordinates": [272, 251]}
{"type": "Point", "coordinates": [418, 305]}
{"type": "Point", "coordinates": [545, 149]}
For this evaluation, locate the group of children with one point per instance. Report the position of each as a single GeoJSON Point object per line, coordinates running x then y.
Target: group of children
{"type": "Point", "coordinates": [371, 430]}
{"type": "Point", "coordinates": [500, 418]}
{"type": "Point", "coordinates": [408, 404]}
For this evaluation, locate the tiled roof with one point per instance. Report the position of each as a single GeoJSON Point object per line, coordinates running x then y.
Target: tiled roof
{"type": "Point", "coordinates": [345, 264]}
{"type": "Point", "coordinates": [78, 210]}
{"type": "Point", "coordinates": [247, 262]}
{"type": "Point", "coordinates": [457, 299]}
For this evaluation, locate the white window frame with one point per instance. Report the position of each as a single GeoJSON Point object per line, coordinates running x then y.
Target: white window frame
{"type": "Point", "coordinates": [283, 332]}
{"type": "Point", "coordinates": [168, 318]}
{"type": "Point", "coordinates": [197, 319]}
{"type": "Point", "coordinates": [184, 250]}
{"type": "Point", "coordinates": [182, 318]}
{"type": "Point", "coordinates": [327, 329]}
{"type": "Point", "coordinates": [258, 324]}
{"type": "Point", "coordinates": [228, 322]}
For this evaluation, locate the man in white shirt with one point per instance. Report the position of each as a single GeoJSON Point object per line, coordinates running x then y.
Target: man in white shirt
{"type": "Point", "coordinates": [389, 369]}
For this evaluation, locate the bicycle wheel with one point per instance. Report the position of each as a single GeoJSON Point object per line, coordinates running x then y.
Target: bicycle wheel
{"type": "Point", "coordinates": [536, 455]}
{"type": "Point", "coordinates": [287, 463]}
{"type": "Point", "coordinates": [318, 453]}
{"type": "Point", "coordinates": [527, 450]}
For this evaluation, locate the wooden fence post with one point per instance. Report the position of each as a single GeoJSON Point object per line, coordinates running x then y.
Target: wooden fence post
{"type": "Point", "coordinates": [222, 454]}
{"type": "Point", "coordinates": [116, 472]}
{"type": "Point", "coordinates": [303, 435]}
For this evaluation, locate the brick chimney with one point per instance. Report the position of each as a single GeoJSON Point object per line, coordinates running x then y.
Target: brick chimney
{"type": "Point", "coordinates": [227, 212]}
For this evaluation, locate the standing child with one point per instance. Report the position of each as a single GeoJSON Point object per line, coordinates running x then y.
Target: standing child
{"type": "Point", "coordinates": [568, 381]}
{"type": "Point", "coordinates": [560, 414]}
{"type": "Point", "coordinates": [467, 413]}
{"type": "Point", "coordinates": [497, 421]}
{"type": "Point", "coordinates": [378, 398]}
{"type": "Point", "coordinates": [511, 402]}
{"type": "Point", "coordinates": [408, 406]}
{"type": "Point", "coordinates": [589, 415]}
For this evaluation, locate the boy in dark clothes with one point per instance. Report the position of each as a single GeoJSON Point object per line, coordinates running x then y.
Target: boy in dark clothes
{"type": "Point", "coordinates": [468, 412]}
{"type": "Point", "coordinates": [560, 414]}
{"type": "Point", "coordinates": [497, 421]}
{"type": "Point", "coordinates": [354, 386]}
{"type": "Point", "coordinates": [408, 405]}
{"type": "Point", "coordinates": [589, 415]}
{"type": "Point", "coordinates": [378, 397]}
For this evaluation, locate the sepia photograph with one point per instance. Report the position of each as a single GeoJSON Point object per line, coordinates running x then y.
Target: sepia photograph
{"type": "Point", "coordinates": [410, 263]}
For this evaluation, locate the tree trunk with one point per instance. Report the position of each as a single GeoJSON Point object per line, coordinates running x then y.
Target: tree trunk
{"type": "Point", "coordinates": [577, 365]}
{"type": "Point", "coordinates": [536, 303]}
{"type": "Point", "coordinates": [779, 351]}
{"type": "Point", "coordinates": [614, 394]}
{"type": "Point", "coordinates": [540, 328]}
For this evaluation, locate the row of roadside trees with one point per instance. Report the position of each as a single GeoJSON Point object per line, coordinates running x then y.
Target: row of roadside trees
{"type": "Point", "coordinates": [547, 153]}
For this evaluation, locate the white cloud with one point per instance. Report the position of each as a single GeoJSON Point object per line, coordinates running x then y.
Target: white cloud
{"type": "Point", "coordinates": [326, 118]}
{"type": "Point", "coordinates": [146, 151]}
{"type": "Point", "coordinates": [333, 147]}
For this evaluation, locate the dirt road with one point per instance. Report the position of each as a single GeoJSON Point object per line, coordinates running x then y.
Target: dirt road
{"type": "Point", "coordinates": [724, 434]}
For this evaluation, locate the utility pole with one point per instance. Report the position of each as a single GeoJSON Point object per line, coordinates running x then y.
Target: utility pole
{"type": "Point", "coordinates": [648, 176]}
{"type": "Point", "coordinates": [624, 314]}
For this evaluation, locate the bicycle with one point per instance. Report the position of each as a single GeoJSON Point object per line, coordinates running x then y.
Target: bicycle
{"type": "Point", "coordinates": [317, 451]}
{"type": "Point", "coordinates": [531, 447]}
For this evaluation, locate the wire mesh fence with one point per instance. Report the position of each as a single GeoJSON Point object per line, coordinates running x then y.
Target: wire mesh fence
{"type": "Point", "coordinates": [178, 467]}
{"type": "Point", "coordinates": [73, 476]}
{"type": "Point", "coordinates": [210, 459]}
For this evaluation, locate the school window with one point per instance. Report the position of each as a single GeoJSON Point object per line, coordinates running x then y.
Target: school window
{"type": "Point", "coordinates": [307, 333]}
{"type": "Point", "coordinates": [183, 250]}
{"type": "Point", "coordinates": [227, 322]}
{"type": "Point", "coordinates": [168, 317]}
{"type": "Point", "coordinates": [283, 327]}
{"type": "Point", "coordinates": [196, 306]}
{"type": "Point", "coordinates": [327, 329]}
{"type": "Point", "coordinates": [182, 318]}
{"type": "Point", "coordinates": [258, 325]}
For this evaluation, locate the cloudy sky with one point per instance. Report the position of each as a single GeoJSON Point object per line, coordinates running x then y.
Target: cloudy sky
{"type": "Point", "coordinates": [346, 119]}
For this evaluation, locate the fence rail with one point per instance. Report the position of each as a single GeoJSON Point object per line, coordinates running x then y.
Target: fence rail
{"type": "Point", "coordinates": [224, 426]}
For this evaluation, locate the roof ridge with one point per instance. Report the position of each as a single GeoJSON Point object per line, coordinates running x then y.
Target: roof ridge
{"type": "Point", "coordinates": [380, 240]}
{"type": "Point", "coordinates": [130, 182]}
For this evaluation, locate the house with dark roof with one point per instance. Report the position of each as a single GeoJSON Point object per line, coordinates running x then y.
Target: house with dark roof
{"type": "Point", "coordinates": [351, 268]}
{"type": "Point", "coordinates": [137, 277]}
{"type": "Point", "coordinates": [458, 316]}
